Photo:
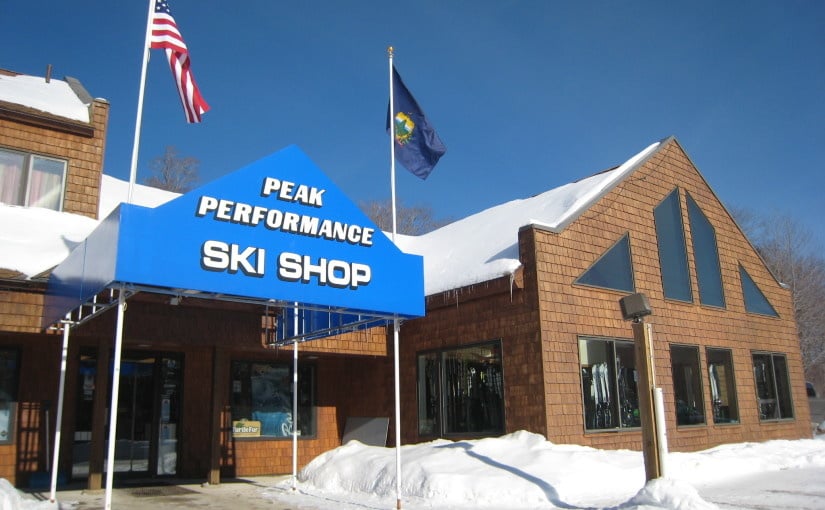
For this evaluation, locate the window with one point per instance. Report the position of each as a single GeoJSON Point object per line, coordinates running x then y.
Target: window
{"type": "Point", "coordinates": [755, 301]}
{"type": "Point", "coordinates": [608, 372]}
{"type": "Point", "coordinates": [31, 180]}
{"type": "Point", "coordinates": [687, 385]}
{"type": "Point", "coordinates": [461, 391]}
{"type": "Point", "coordinates": [772, 386]}
{"type": "Point", "coordinates": [670, 236]}
{"type": "Point", "coordinates": [263, 392]}
{"type": "Point", "coordinates": [8, 393]}
{"type": "Point", "coordinates": [722, 386]}
{"type": "Point", "coordinates": [706, 256]}
{"type": "Point", "coordinates": [613, 270]}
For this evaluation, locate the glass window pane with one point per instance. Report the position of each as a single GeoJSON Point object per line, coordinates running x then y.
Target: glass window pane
{"type": "Point", "coordinates": [8, 393]}
{"type": "Point", "coordinates": [722, 386]}
{"type": "Point", "coordinates": [46, 183]}
{"type": "Point", "coordinates": [11, 178]}
{"type": "Point", "coordinates": [263, 392]}
{"type": "Point", "coordinates": [473, 390]}
{"type": "Point", "coordinates": [755, 301]}
{"type": "Point", "coordinates": [670, 237]}
{"type": "Point", "coordinates": [765, 387]}
{"type": "Point", "coordinates": [783, 387]}
{"type": "Point", "coordinates": [627, 378]}
{"type": "Point", "coordinates": [428, 405]}
{"type": "Point", "coordinates": [706, 256]}
{"type": "Point", "coordinates": [687, 386]}
{"type": "Point", "coordinates": [613, 270]}
{"type": "Point", "coordinates": [598, 384]}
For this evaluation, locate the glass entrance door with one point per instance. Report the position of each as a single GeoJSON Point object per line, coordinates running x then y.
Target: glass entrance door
{"type": "Point", "coordinates": [147, 414]}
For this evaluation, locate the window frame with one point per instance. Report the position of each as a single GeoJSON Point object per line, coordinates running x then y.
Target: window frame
{"type": "Point", "coordinates": [706, 260]}
{"type": "Point", "coordinates": [609, 251]}
{"type": "Point", "coordinates": [11, 356]}
{"type": "Point", "coordinates": [747, 283]}
{"type": "Point", "coordinates": [778, 401]}
{"type": "Point", "coordinates": [313, 400]}
{"type": "Point", "coordinates": [617, 408]}
{"type": "Point", "coordinates": [677, 246]}
{"type": "Point", "coordinates": [24, 189]}
{"type": "Point", "coordinates": [439, 424]}
{"type": "Point", "coordinates": [695, 387]}
{"type": "Point", "coordinates": [729, 383]}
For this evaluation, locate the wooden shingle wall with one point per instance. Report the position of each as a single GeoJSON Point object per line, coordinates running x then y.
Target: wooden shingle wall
{"type": "Point", "coordinates": [569, 311]}
{"type": "Point", "coordinates": [83, 154]}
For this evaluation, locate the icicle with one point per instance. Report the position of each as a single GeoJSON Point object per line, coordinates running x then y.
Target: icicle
{"type": "Point", "coordinates": [512, 281]}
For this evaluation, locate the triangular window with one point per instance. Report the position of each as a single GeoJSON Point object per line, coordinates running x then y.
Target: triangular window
{"type": "Point", "coordinates": [670, 237]}
{"type": "Point", "coordinates": [755, 301]}
{"type": "Point", "coordinates": [613, 270]}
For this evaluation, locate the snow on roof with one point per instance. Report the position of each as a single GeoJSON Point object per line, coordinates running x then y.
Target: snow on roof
{"type": "Point", "coordinates": [484, 246]}
{"type": "Point", "coordinates": [114, 191]}
{"type": "Point", "coordinates": [55, 97]}
{"type": "Point", "coordinates": [36, 239]}
{"type": "Point", "coordinates": [472, 250]}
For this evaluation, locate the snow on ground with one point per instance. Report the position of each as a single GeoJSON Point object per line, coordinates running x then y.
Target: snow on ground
{"type": "Point", "coordinates": [522, 471]}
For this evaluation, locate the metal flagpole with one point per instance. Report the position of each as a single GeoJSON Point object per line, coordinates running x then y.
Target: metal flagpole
{"type": "Point", "coordinates": [139, 116]}
{"type": "Point", "coordinates": [110, 457]}
{"type": "Point", "coordinates": [67, 326]}
{"type": "Point", "coordinates": [395, 323]}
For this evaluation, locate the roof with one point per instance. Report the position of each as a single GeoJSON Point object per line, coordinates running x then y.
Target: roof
{"type": "Point", "coordinates": [54, 97]}
{"type": "Point", "coordinates": [478, 248]}
{"type": "Point", "coordinates": [484, 246]}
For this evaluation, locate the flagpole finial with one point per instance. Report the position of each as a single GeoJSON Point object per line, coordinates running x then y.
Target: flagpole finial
{"type": "Point", "coordinates": [390, 51]}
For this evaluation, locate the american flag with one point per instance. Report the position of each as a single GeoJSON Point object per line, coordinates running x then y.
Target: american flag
{"type": "Point", "coordinates": [165, 35]}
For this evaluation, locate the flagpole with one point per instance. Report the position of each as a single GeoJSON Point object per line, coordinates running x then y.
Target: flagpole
{"type": "Point", "coordinates": [139, 116]}
{"type": "Point", "coordinates": [395, 322]}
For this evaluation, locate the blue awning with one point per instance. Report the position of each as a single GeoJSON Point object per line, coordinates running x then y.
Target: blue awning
{"type": "Point", "coordinates": [276, 232]}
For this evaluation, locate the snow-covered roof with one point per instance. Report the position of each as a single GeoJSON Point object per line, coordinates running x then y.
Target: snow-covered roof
{"type": "Point", "coordinates": [55, 97]}
{"type": "Point", "coordinates": [35, 240]}
{"type": "Point", "coordinates": [478, 248]}
{"type": "Point", "coordinates": [484, 246]}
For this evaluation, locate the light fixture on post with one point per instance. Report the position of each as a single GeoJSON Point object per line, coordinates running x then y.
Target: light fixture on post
{"type": "Point", "coordinates": [634, 307]}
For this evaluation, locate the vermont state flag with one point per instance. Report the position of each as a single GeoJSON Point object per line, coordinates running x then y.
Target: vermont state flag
{"type": "Point", "coordinates": [417, 145]}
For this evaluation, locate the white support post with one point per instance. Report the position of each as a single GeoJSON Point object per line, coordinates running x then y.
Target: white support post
{"type": "Point", "coordinates": [110, 462]}
{"type": "Point", "coordinates": [67, 326]}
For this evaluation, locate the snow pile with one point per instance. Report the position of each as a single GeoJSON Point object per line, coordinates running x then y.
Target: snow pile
{"type": "Point", "coordinates": [11, 499]}
{"type": "Point", "coordinates": [35, 239]}
{"type": "Point", "coordinates": [523, 470]}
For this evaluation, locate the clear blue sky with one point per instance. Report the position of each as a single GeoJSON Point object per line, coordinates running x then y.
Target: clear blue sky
{"type": "Point", "coordinates": [527, 95]}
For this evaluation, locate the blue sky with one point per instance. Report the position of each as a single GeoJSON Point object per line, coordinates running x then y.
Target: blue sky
{"type": "Point", "coordinates": [527, 95]}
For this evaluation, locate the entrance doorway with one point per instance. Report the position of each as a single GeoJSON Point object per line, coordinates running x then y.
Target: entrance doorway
{"type": "Point", "coordinates": [147, 416]}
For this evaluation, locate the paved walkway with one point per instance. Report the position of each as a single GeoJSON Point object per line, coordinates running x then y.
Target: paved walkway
{"type": "Point", "coordinates": [247, 493]}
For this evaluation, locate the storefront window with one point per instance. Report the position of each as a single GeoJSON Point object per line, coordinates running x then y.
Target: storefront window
{"type": "Point", "coordinates": [8, 393]}
{"type": "Point", "coordinates": [608, 372]}
{"type": "Point", "coordinates": [722, 386]}
{"type": "Point", "coordinates": [687, 385]}
{"type": "Point", "coordinates": [772, 386]}
{"type": "Point", "coordinates": [465, 387]}
{"type": "Point", "coordinates": [262, 400]}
